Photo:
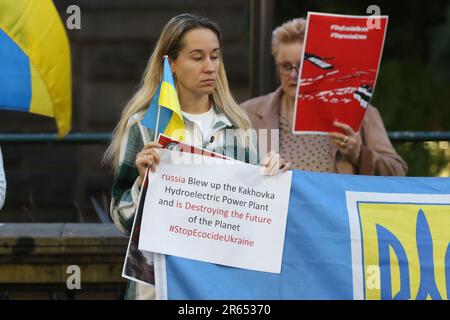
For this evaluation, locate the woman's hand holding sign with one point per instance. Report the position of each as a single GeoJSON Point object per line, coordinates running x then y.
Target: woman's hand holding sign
{"type": "Point", "coordinates": [274, 164]}
{"type": "Point", "coordinates": [147, 158]}
{"type": "Point", "coordinates": [347, 142]}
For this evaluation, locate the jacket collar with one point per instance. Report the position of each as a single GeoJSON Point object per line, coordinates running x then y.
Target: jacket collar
{"type": "Point", "coordinates": [273, 105]}
{"type": "Point", "coordinates": [220, 120]}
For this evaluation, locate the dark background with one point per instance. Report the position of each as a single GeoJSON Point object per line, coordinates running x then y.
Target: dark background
{"type": "Point", "coordinates": [57, 183]}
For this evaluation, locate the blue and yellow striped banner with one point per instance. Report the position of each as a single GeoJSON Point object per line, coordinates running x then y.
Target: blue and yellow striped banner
{"type": "Point", "coordinates": [347, 237]}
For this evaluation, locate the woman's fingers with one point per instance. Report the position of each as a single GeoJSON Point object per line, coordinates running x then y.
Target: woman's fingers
{"type": "Point", "coordinates": [285, 167]}
{"type": "Point", "coordinates": [151, 152]}
{"type": "Point", "coordinates": [153, 145]}
{"type": "Point", "coordinates": [267, 158]}
{"type": "Point", "coordinates": [345, 127]}
{"type": "Point", "coordinates": [143, 161]}
{"type": "Point", "coordinates": [271, 171]}
{"type": "Point", "coordinates": [342, 138]}
{"type": "Point", "coordinates": [346, 141]}
{"type": "Point", "coordinates": [275, 164]}
{"type": "Point", "coordinates": [148, 158]}
{"type": "Point", "coordinates": [336, 136]}
{"type": "Point", "coordinates": [150, 161]}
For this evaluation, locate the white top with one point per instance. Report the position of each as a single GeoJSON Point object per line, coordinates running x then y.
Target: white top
{"type": "Point", "coordinates": [2, 181]}
{"type": "Point", "coordinates": [203, 122]}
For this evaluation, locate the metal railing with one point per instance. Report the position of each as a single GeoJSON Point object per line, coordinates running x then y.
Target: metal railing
{"type": "Point", "coordinates": [418, 136]}
{"type": "Point", "coordinates": [39, 138]}
{"type": "Point", "coordinates": [104, 138]}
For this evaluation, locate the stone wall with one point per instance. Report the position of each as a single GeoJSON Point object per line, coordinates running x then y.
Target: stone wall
{"type": "Point", "coordinates": [34, 260]}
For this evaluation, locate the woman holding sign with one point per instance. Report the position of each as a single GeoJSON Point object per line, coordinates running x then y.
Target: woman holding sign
{"type": "Point", "coordinates": [367, 152]}
{"type": "Point", "coordinates": [192, 45]}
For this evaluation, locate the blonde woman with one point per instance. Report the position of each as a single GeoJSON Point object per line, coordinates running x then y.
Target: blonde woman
{"type": "Point", "coordinates": [368, 152]}
{"type": "Point", "coordinates": [193, 46]}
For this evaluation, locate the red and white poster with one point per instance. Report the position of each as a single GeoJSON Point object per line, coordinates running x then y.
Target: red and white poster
{"type": "Point", "coordinates": [340, 62]}
{"type": "Point", "coordinates": [171, 144]}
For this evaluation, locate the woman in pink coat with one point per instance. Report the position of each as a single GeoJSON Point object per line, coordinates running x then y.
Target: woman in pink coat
{"type": "Point", "coordinates": [367, 152]}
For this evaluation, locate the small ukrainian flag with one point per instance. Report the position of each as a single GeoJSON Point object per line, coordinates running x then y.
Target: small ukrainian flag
{"type": "Point", "coordinates": [168, 119]}
{"type": "Point", "coordinates": [35, 71]}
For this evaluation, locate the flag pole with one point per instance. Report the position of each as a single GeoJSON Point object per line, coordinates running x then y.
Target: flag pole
{"type": "Point", "coordinates": [155, 138]}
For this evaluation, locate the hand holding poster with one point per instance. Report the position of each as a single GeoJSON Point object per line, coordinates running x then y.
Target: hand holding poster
{"type": "Point", "coordinates": [221, 213]}
{"type": "Point", "coordinates": [138, 264]}
{"type": "Point", "coordinates": [340, 62]}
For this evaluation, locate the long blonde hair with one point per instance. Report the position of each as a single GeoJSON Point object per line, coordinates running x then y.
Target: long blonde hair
{"type": "Point", "coordinates": [170, 43]}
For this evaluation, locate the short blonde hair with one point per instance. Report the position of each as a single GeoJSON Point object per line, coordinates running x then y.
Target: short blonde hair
{"type": "Point", "coordinates": [288, 32]}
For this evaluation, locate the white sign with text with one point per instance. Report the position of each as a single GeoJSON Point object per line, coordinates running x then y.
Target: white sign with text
{"type": "Point", "coordinates": [216, 211]}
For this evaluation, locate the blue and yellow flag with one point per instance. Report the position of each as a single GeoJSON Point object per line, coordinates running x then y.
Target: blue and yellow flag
{"type": "Point", "coordinates": [35, 72]}
{"type": "Point", "coordinates": [170, 116]}
{"type": "Point", "coordinates": [347, 237]}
